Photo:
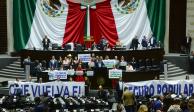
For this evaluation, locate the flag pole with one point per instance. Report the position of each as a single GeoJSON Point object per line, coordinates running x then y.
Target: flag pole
{"type": "Point", "coordinates": [88, 22]}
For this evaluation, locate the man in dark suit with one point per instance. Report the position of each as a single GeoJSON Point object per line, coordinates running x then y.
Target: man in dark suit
{"type": "Point", "coordinates": [27, 61]}
{"type": "Point", "coordinates": [152, 41]}
{"type": "Point", "coordinates": [144, 42]}
{"type": "Point", "coordinates": [188, 43]}
{"type": "Point", "coordinates": [119, 89]}
{"type": "Point", "coordinates": [45, 43]}
{"type": "Point", "coordinates": [102, 93]}
{"type": "Point", "coordinates": [99, 63]}
{"type": "Point", "coordinates": [134, 43]}
{"type": "Point", "coordinates": [53, 63]}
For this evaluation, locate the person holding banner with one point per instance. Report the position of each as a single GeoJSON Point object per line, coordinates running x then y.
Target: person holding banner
{"type": "Point", "coordinates": [122, 63]}
{"type": "Point", "coordinates": [91, 63]}
{"type": "Point", "coordinates": [99, 63]}
{"type": "Point", "coordinates": [40, 80]}
{"type": "Point", "coordinates": [66, 63]}
{"type": "Point", "coordinates": [79, 74]}
{"type": "Point", "coordinates": [116, 61]}
{"type": "Point", "coordinates": [58, 79]}
{"type": "Point", "coordinates": [71, 71]}
{"type": "Point", "coordinates": [75, 62]}
{"type": "Point", "coordinates": [60, 62]}
{"type": "Point", "coordinates": [70, 79]}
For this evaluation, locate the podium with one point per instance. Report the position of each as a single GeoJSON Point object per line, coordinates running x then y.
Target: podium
{"type": "Point", "coordinates": [88, 41]}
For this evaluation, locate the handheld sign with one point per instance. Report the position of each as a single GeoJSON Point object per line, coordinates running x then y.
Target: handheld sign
{"type": "Point", "coordinates": [109, 63]}
{"type": "Point", "coordinates": [90, 73]}
{"type": "Point", "coordinates": [84, 57]}
{"type": "Point", "coordinates": [115, 74]}
{"type": "Point", "coordinates": [57, 74]}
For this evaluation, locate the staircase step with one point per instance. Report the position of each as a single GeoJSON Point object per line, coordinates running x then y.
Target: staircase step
{"type": "Point", "coordinates": [175, 71]}
{"type": "Point", "coordinates": [17, 62]}
{"type": "Point", "coordinates": [6, 79]}
{"type": "Point", "coordinates": [15, 65]}
{"type": "Point", "coordinates": [11, 76]}
{"type": "Point", "coordinates": [173, 68]}
{"type": "Point", "coordinates": [171, 65]}
{"type": "Point", "coordinates": [16, 68]}
{"type": "Point", "coordinates": [11, 73]}
{"type": "Point", "coordinates": [11, 70]}
{"type": "Point", "coordinates": [174, 74]}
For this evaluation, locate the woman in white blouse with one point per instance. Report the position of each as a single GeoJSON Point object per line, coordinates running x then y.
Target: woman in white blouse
{"type": "Point", "coordinates": [129, 68]}
{"type": "Point", "coordinates": [66, 63]}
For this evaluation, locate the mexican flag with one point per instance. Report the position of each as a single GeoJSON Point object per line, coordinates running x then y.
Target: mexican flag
{"type": "Point", "coordinates": [65, 21]}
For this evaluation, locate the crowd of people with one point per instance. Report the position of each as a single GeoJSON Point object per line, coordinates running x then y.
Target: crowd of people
{"type": "Point", "coordinates": [70, 62]}
{"type": "Point", "coordinates": [122, 97]}
{"type": "Point", "coordinates": [73, 64]}
{"type": "Point", "coordinates": [119, 100]}
{"type": "Point", "coordinates": [128, 102]}
{"type": "Point", "coordinates": [125, 100]}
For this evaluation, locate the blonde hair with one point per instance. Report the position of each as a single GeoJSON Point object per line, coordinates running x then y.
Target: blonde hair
{"type": "Point", "coordinates": [143, 108]}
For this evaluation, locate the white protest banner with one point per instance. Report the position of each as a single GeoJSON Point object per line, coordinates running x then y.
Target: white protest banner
{"type": "Point", "coordinates": [84, 57]}
{"type": "Point", "coordinates": [109, 63]}
{"type": "Point", "coordinates": [90, 73]}
{"type": "Point", "coordinates": [57, 74]}
{"type": "Point", "coordinates": [123, 63]}
{"type": "Point", "coordinates": [159, 87]}
{"type": "Point", "coordinates": [79, 72]}
{"type": "Point", "coordinates": [65, 89]}
{"type": "Point", "coordinates": [114, 73]}
{"type": "Point", "coordinates": [71, 72]}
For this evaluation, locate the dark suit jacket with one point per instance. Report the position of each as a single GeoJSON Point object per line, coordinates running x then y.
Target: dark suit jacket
{"type": "Point", "coordinates": [144, 43]}
{"type": "Point", "coordinates": [53, 65]}
{"type": "Point", "coordinates": [154, 43]}
{"type": "Point", "coordinates": [46, 43]}
{"type": "Point", "coordinates": [188, 43]}
{"type": "Point", "coordinates": [134, 43]}
{"type": "Point", "coordinates": [97, 64]}
{"type": "Point", "coordinates": [102, 95]}
{"type": "Point", "coordinates": [118, 87]}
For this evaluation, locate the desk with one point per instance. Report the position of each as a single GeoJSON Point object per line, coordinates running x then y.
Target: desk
{"type": "Point", "coordinates": [88, 42]}
{"type": "Point", "coordinates": [101, 77]}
